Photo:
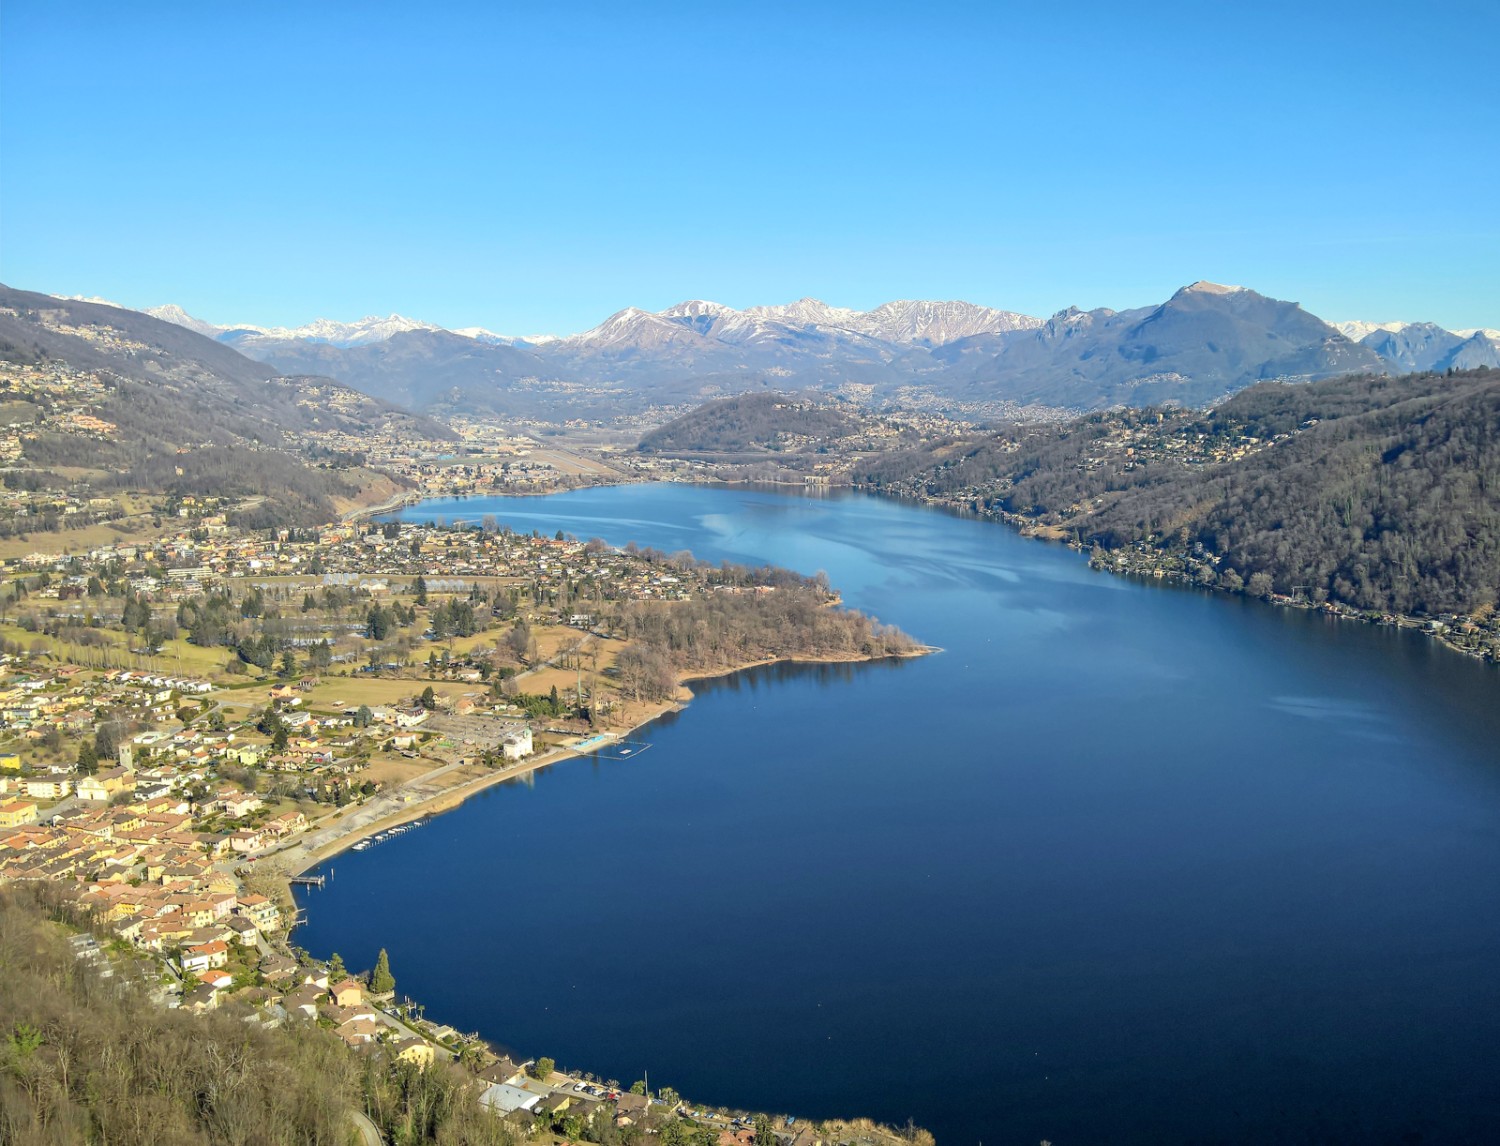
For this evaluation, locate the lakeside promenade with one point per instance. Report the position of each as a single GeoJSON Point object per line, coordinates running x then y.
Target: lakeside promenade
{"type": "Point", "coordinates": [427, 795]}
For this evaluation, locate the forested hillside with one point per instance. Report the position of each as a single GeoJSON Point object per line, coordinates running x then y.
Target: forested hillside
{"type": "Point", "coordinates": [84, 1058]}
{"type": "Point", "coordinates": [792, 620]}
{"type": "Point", "coordinates": [751, 424]}
{"type": "Point", "coordinates": [1376, 492]}
{"type": "Point", "coordinates": [130, 402]}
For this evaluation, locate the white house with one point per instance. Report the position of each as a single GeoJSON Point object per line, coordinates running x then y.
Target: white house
{"type": "Point", "coordinates": [503, 1097]}
{"type": "Point", "coordinates": [517, 743]}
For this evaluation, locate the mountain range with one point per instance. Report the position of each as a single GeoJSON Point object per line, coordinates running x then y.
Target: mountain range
{"type": "Point", "coordinates": [1207, 341]}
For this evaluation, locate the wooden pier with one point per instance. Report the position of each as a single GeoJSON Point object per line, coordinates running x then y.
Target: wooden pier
{"type": "Point", "coordinates": [306, 880]}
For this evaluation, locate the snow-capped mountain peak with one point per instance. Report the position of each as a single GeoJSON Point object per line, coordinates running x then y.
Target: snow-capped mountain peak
{"type": "Point", "coordinates": [480, 334]}
{"type": "Point", "coordinates": [1203, 286]}
{"type": "Point", "coordinates": [918, 322]}
{"type": "Point", "coordinates": [698, 308]}
{"type": "Point", "coordinates": [93, 299]}
{"type": "Point", "coordinates": [806, 312]}
{"type": "Point", "coordinates": [371, 328]}
{"type": "Point", "coordinates": [693, 322]}
{"type": "Point", "coordinates": [1355, 330]}
{"type": "Point", "coordinates": [632, 329]}
{"type": "Point", "coordinates": [179, 317]}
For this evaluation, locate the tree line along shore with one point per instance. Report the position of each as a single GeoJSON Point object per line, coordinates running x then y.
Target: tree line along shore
{"type": "Point", "coordinates": [1366, 496]}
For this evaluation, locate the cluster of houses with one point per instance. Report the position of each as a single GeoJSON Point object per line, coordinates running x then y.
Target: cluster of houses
{"type": "Point", "coordinates": [511, 1089]}
{"type": "Point", "coordinates": [196, 559]}
{"type": "Point", "coordinates": [151, 882]}
{"type": "Point", "coordinates": [296, 991]}
{"type": "Point", "coordinates": [64, 398]}
{"type": "Point", "coordinates": [130, 845]}
{"type": "Point", "coordinates": [22, 792]}
{"type": "Point", "coordinates": [41, 697]}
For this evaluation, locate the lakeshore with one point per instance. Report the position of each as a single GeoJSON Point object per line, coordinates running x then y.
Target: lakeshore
{"type": "Point", "coordinates": [381, 813]}
{"type": "Point", "coordinates": [1456, 633]}
{"type": "Point", "coordinates": [749, 908]}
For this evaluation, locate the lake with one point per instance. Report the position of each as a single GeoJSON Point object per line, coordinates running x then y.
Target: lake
{"type": "Point", "coordinates": [1121, 864]}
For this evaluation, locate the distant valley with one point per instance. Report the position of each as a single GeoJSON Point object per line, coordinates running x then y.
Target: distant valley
{"type": "Point", "coordinates": [1356, 483]}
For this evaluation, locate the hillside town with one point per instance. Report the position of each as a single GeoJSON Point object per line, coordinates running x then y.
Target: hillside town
{"type": "Point", "coordinates": [190, 722]}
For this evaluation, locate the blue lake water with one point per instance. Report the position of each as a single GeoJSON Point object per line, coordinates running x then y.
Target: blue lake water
{"type": "Point", "coordinates": [1122, 864]}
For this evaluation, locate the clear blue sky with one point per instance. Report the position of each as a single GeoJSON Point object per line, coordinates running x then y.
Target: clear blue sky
{"type": "Point", "coordinates": [534, 168]}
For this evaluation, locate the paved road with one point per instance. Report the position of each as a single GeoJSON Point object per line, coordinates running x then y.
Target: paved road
{"type": "Point", "coordinates": [368, 1134]}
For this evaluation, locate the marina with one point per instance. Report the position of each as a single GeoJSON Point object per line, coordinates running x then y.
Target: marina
{"type": "Point", "coordinates": [385, 836]}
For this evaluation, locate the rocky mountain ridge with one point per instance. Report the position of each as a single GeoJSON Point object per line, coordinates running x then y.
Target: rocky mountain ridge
{"type": "Point", "coordinates": [1204, 343]}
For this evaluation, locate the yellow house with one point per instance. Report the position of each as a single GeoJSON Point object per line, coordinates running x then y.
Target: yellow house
{"type": "Point", "coordinates": [414, 1050]}
{"type": "Point", "coordinates": [10, 761]}
{"type": "Point", "coordinates": [14, 813]}
{"type": "Point", "coordinates": [347, 993]}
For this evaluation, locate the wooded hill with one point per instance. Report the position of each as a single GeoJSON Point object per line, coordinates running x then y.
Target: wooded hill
{"type": "Point", "coordinates": [1377, 492]}
{"type": "Point", "coordinates": [751, 425]}
{"type": "Point", "coordinates": [190, 415]}
{"type": "Point", "coordinates": [765, 614]}
{"type": "Point", "coordinates": [85, 1058]}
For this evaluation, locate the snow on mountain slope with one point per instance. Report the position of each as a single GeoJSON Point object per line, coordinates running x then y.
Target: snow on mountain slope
{"type": "Point", "coordinates": [371, 328]}
{"type": "Point", "coordinates": [808, 312]}
{"type": "Point", "coordinates": [179, 317]}
{"type": "Point", "coordinates": [809, 328]}
{"type": "Point", "coordinates": [480, 334]}
{"type": "Point", "coordinates": [921, 323]}
{"type": "Point", "coordinates": [1356, 330]}
{"type": "Point", "coordinates": [1425, 345]}
{"type": "Point", "coordinates": [632, 329]}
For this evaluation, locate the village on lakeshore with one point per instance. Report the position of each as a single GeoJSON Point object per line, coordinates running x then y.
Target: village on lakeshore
{"type": "Point", "coordinates": [190, 721]}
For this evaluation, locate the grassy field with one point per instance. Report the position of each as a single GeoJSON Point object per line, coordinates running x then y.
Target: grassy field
{"type": "Point", "coordinates": [393, 771]}
{"type": "Point", "coordinates": [125, 532]}
{"type": "Point", "coordinates": [244, 692]}
{"type": "Point", "coordinates": [337, 693]}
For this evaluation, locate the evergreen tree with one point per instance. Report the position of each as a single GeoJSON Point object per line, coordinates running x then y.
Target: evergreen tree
{"type": "Point", "coordinates": [88, 758]}
{"type": "Point", "coordinates": [379, 622]}
{"type": "Point", "coordinates": [336, 969]}
{"type": "Point", "coordinates": [382, 982]}
{"type": "Point", "coordinates": [319, 656]}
